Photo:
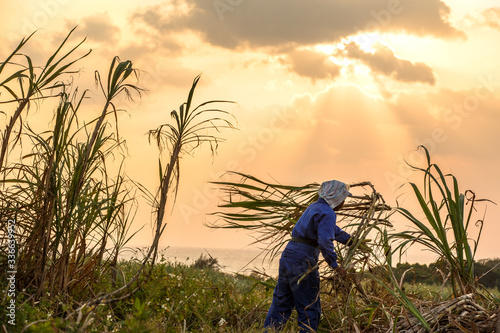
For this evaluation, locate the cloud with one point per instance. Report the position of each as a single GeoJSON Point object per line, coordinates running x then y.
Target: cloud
{"type": "Point", "coordinates": [144, 45]}
{"type": "Point", "coordinates": [488, 17]}
{"type": "Point", "coordinates": [459, 123]}
{"type": "Point", "coordinates": [315, 65]}
{"type": "Point", "coordinates": [344, 126]}
{"type": "Point", "coordinates": [384, 61]}
{"type": "Point", "coordinates": [261, 23]}
{"type": "Point", "coordinates": [336, 124]}
{"type": "Point", "coordinates": [98, 28]}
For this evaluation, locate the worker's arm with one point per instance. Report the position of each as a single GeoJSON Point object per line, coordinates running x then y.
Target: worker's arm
{"type": "Point", "coordinates": [341, 236]}
{"type": "Point", "coordinates": [326, 236]}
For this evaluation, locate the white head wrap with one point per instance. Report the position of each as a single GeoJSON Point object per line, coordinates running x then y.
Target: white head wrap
{"type": "Point", "coordinates": [334, 192]}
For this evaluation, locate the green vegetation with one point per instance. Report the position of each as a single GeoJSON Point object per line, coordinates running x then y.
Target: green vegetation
{"type": "Point", "coordinates": [445, 210]}
{"type": "Point", "coordinates": [176, 298]}
{"type": "Point", "coordinates": [487, 273]}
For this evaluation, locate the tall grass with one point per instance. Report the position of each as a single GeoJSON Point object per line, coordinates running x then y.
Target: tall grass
{"type": "Point", "coordinates": [69, 209]}
{"type": "Point", "coordinates": [193, 126]}
{"type": "Point", "coordinates": [445, 230]}
{"type": "Point", "coordinates": [73, 212]}
{"type": "Point", "coordinates": [28, 84]}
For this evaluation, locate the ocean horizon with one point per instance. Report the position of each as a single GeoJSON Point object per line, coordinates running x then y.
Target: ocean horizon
{"type": "Point", "coordinates": [232, 261]}
{"type": "Point", "coordinates": [238, 261]}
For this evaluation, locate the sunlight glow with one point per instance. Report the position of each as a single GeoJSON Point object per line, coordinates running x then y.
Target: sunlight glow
{"type": "Point", "coordinates": [365, 41]}
{"type": "Point", "coordinates": [329, 48]}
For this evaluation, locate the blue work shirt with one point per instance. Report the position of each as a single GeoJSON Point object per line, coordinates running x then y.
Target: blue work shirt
{"type": "Point", "coordinates": [318, 222]}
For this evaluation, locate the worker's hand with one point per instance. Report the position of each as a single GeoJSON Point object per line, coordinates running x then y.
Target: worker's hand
{"type": "Point", "coordinates": [341, 271]}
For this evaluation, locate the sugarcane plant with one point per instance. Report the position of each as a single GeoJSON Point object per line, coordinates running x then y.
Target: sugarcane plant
{"type": "Point", "coordinates": [72, 213]}
{"type": "Point", "coordinates": [192, 127]}
{"type": "Point", "coordinates": [26, 84]}
{"type": "Point", "coordinates": [269, 210]}
{"type": "Point", "coordinates": [446, 228]}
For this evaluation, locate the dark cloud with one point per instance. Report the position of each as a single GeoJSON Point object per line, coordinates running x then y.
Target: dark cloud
{"type": "Point", "coordinates": [263, 23]}
{"type": "Point", "coordinates": [384, 61]}
{"type": "Point", "coordinates": [315, 65]}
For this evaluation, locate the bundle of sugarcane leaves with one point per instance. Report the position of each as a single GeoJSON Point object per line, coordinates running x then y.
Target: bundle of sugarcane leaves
{"type": "Point", "coordinates": [270, 211]}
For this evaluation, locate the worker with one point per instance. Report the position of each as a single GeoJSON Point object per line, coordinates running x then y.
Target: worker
{"type": "Point", "coordinates": [314, 231]}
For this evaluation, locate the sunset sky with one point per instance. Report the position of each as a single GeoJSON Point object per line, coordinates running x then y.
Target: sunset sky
{"type": "Point", "coordinates": [324, 90]}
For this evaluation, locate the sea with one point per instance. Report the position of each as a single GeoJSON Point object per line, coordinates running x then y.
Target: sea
{"type": "Point", "coordinates": [234, 261]}
{"type": "Point", "coordinates": [231, 261]}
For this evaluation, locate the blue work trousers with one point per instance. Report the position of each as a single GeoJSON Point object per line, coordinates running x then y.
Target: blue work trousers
{"type": "Point", "coordinates": [295, 260]}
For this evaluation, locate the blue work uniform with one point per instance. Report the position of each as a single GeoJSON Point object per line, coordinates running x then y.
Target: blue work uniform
{"type": "Point", "coordinates": [317, 225]}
